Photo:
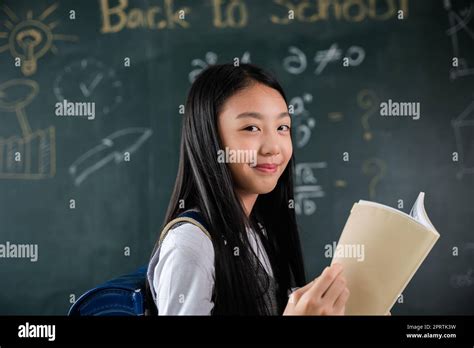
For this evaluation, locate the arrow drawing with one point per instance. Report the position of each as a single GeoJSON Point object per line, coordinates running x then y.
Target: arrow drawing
{"type": "Point", "coordinates": [108, 151]}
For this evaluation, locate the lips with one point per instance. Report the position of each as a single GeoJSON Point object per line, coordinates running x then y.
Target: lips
{"type": "Point", "coordinates": [266, 167]}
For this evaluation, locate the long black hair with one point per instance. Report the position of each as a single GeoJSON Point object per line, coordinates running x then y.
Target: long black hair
{"type": "Point", "coordinates": [207, 185]}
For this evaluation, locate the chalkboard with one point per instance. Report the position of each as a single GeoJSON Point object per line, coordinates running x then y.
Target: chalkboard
{"type": "Point", "coordinates": [82, 197]}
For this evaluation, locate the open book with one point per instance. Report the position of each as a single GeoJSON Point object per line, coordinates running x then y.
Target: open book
{"type": "Point", "coordinates": [390, 246]}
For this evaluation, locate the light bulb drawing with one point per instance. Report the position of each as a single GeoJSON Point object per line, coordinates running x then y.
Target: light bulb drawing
{"type": "Point", "coordinates": [30, 39]}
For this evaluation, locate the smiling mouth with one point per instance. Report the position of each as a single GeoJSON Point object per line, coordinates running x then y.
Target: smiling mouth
{"type": "Point", "coordinates": [266, 168]}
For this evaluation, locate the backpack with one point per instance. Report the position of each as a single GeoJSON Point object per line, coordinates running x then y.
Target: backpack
{"type": "Point", "coordinates": [125, 295]}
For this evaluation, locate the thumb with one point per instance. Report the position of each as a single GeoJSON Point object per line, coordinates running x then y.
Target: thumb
{"type": "Point", "coordinates": [295, 295]}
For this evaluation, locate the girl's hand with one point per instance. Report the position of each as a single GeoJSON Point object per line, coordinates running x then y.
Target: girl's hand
{"type": "Point", "coordinates": [325, 295]}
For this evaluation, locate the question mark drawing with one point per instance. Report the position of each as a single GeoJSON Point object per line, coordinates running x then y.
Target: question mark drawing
{"type": "Point", "coordinates": [375, 168]}
{"type": "Point", "coordinates": [367, 100]}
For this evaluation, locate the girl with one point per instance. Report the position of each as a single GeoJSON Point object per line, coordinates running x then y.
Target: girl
{"type": "Point", "coordinates": [253, 257]}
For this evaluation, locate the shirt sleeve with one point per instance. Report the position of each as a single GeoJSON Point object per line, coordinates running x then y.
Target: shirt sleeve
{"type": "Point", "coordinates": [184, 275]}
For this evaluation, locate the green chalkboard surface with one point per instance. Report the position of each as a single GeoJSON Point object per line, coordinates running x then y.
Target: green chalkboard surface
{"type": "Point", "coordinates": [82, 198]}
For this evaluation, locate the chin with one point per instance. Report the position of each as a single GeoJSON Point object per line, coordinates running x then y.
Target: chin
{"type": "Point", "coordinates": [264, 189]}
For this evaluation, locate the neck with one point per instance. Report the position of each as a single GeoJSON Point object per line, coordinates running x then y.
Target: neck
{"type": "Point", "coordinates": [247, 200]}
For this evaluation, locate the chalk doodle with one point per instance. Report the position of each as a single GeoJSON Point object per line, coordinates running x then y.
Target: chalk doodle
{"type": "Point", "coordinates": [463, 126]}
{"type": "Point", "coordinates": [355, 56]}
{"type": "Point", "coordinates": [296, 63]}
{"type": "Point", "coordinates": [367, 100]}
{"type": "Point", "coordinates": [307, 188]}
{"type": "Point", "coordinates": [210, 59]}
{"type": "Point", "coordinates": [30, 39]}
{"type": "Point", "coordinates": [459, 30]}
{"type": "Point", "coordinates": [33, 155]}
{"type": "Point", "coordinates": [111, 149]}
{"type": "Point", "coordinates": [89, 79]}
{"type": "Point", "coordinates": [375, 168]}
{"type": "Point", "coordinates": [302, 120]}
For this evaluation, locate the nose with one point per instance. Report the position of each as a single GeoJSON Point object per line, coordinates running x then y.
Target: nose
{"type": "Point", "coordinates": [270, 145]}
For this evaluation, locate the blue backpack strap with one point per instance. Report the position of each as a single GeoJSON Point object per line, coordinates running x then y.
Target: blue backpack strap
{"type": "Point", "coordinates": [191, 216]}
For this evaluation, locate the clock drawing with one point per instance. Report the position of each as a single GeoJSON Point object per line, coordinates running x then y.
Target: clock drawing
{"type": "Point", "coordinates": [89, 80]}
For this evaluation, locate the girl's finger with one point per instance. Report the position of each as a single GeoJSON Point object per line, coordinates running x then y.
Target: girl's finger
{"type": "Point", "coordinates": [322, 283]}
{"type": "Point", "coordinates": [341, 301]}
{"type": "Point", "coordinates": [334, 291]}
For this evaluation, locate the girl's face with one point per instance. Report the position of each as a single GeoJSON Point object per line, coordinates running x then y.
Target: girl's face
{"type": "Point", "coordinates": [254, 125]}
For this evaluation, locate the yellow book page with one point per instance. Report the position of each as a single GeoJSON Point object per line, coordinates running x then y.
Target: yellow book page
{"type": "Point", "coordinates": [393, 248]}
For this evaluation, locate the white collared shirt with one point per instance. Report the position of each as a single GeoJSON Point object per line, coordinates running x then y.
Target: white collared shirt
{"type": "Point", "coordinates": [182, 271]}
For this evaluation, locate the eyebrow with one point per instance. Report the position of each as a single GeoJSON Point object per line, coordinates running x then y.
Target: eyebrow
{"type": "Point", "coordinates": [259, 116]}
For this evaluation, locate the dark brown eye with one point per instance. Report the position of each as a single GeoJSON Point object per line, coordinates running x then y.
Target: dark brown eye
{"type": "Point", "coordinates": [251, 128]}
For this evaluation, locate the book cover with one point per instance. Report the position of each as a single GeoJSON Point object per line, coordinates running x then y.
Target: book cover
{"type": "Point", "coordinates": [380, 249]}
